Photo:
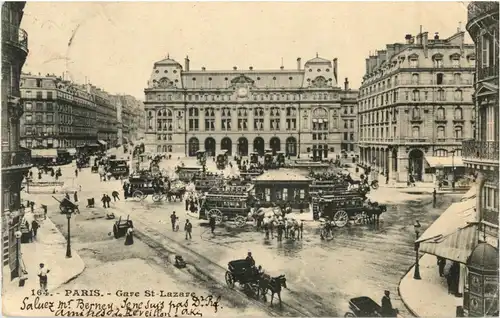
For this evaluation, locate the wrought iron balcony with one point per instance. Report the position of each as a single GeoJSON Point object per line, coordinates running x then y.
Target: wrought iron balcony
{"type": "Point", "coordinates": [488, 71]}
{"type": "Point", "coordinates": [479, 8]}
{"type": "Point", "coordinates": [474, 150]}
{"type": "Point", "coordinates": [16, 159]}
{"type": "Point", "coordinates": [12, 34]}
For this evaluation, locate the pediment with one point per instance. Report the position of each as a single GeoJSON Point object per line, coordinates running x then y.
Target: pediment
{"type": "Point", "coordinates": [486, 89]}
{"type": "Point", "coordinates": [319, 81]}
{"type": "Point", "coordinates": [242, 79]}
{"type": "Point", "coordinates": [164, 82]}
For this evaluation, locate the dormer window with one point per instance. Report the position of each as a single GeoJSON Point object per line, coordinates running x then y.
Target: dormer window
{"type": "Point", "coordinates": [437, 60]}
{"type": "Point", "coordinates": [413, 60]}
{"type": "Point", "coordinates": [455, 60]}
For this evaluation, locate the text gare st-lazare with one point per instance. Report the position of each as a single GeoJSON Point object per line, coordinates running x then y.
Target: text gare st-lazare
{"type": "Point", "coordinates": [90, 303]}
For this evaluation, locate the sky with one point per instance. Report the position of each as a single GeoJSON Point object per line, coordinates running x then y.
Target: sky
{"type": "Point", "coordinates": [114, 45]}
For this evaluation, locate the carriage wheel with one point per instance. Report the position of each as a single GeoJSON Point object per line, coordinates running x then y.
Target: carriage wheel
{"type": "Point", "coordinates": [340, 218]}
{"type": "Point", "coordinates": [358, 218]}
{"type": "Point", "coordinates": [240, 221]}
{"type": "Point", "coordinates": [156, 197]}
{"type": "Point", "coordinates": [375, 185]}
{"type": "Point", "coordinates": [229, 279]}
{"type": "Point", "coordinates": [349, 314]}
{"type": "Point", "coordinates": [138, 195]}
{"type": "Point", "coordinates": [218, 215]}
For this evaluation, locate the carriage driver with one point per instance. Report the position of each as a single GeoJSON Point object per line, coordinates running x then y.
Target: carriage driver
{"type": "Point", "coordinates": [250, 259]}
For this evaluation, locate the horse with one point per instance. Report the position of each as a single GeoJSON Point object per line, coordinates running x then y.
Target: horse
{"type": "Point", "coordinates": [374, 211]}
{"type": "Point", "coordinates": [273, 284]}
{"type": "Point", "coordinates": [175, 194]}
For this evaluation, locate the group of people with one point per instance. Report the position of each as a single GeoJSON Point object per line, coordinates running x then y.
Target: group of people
{"type": "Point", "coordinates": [289, 227]}
{"type": "Point", "coordinates": [188, 226]}
{"type": "Point", "coordinates": [54, 173]}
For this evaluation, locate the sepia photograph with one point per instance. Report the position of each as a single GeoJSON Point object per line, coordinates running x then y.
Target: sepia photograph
{"type": "Point", "coordinates": [250, 159]}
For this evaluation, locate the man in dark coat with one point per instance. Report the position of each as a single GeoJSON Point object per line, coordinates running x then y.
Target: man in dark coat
{"type": "Point", "coordinates": [212, 223]}
{"type": "Point", "coordinates": [115, 195]}
{"type": "Point", "coordinates": [250, 259]}
{"type": "Point", "coordinates": [441, 262]}
{"type": "Point", "coordinates": [387, 310]}
{"type": "Point", "coordinates": [173, 220]}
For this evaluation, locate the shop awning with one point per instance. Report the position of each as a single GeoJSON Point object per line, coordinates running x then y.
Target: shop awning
{"type": "Point", "coordinates": [454, 234]}
{"type": "Point", "coordinates": [43, 153]}
{"type": "Point", "coordinates": [455, 161]}
{"type": "Point", "coordinates": [102, 142]}
{"type": "Point", "coordinates": [471, 194]}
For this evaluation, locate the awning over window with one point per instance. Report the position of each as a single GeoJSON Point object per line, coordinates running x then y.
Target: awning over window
{"type": "Point", "coordinates": [444, 161]}
{"type": "Point", "coordinates": [454, 234]}
{"type": "Point", "coordinates": [102, 142]}
{"type": "Point", "coordinates": [43, 153]}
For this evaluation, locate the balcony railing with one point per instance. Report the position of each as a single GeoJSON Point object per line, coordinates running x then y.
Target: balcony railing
{"type": "Point", "coordinates": [478, 8]}
{"type": "Point", "coordinates": [15, 35]}
{"type": "Point", "coordinates": [487, 71]}
{"type": "Point", "coordinates": [480, 150]}
{"type": "Point", "coordinates": [16, 159]}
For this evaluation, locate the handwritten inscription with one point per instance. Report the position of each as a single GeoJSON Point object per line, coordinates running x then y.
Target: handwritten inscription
{"type": "Point", "coordinates": [91, 303]}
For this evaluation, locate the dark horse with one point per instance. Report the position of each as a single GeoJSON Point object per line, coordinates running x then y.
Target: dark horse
{"type": "Point", "coordinates": [373, 212]}
{"type": "Point", "coordinates": [174, 194]}
{"type": "Point", "coordinates": [273, 284]}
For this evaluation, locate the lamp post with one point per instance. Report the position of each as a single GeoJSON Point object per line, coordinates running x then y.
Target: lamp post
{"type": "Point", "coordinates": [416, 274]}
{"type": "Point", "coordinates": [453, 169]}
{"type": "Point", "coordinates": [68, 242]}
{"type": "Point", "coordinates": [17, 235]}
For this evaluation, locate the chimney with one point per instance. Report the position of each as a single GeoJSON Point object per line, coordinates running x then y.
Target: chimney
{"type": "Point", "coordinates": [436, 36]}
{"type": "Point", "coordinates": [408, 38]}
{"type": "Point", "coordinates": [234, 68]}
{"type": "Point", "coordinates": [335, 68]}
{"type": "Point", "coordinates": [186, 64]}
{"type": "Point", "coordinates": [282, 67]}
{"type": "Point", "coordinates": [346, 84]}
{"type": "Point", "coordinates": [251, 68]}
{"type": "Point", "coordinates": [299, 63]}
{"type": "Point", "coordinates": [203, 69]}
{"type": "Point", "coordinates": [425, 43]}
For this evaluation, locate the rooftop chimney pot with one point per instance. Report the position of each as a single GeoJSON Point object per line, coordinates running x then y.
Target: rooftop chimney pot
{"type": "Point", "coordinates": [299, 63]}
{"type": "Point", "coordinates": [235, 68]}
{"type": "Point", "coordinates": [251, 68]}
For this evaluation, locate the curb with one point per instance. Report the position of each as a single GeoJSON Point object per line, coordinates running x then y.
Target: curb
{"type": "Point", "coordinates": [408, 307]}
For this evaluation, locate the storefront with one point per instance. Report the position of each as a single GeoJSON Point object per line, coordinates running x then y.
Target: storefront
{"type": "Point", "coordinates": [283, 186]}
{"type": "Point", "coordinates": [444, 170]}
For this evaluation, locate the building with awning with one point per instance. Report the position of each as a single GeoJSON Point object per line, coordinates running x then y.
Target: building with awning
{"type": "Point", "coordinates": [446, 169]}
{"type": "Point", "coordinates": [43, 153]}
{"type": "Point", "coordinates": [451, 161]}
{"type": "Point", "coordinates": [454, 234]}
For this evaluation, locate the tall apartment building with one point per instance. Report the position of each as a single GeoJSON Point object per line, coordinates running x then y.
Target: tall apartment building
{"type": "Point", "coordinates": [16, 161]}
{"type": "Point", "coordinates": [290, 110]}
{"type": "Point", "coordinates": [481, 156]}
{"type": "Point", "coordinates": [349, 119]}
{"type": "Point", "coordinates": [107, 122]}
{"type": "Point", "coordinates": [57, 113]}
{"type": "Point", "coordinates": [415, 106]}
{"type": "Point", "coordinates": [133, 117]}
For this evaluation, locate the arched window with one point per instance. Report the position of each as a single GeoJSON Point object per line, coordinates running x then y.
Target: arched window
{"type": "Point", "coordinates": [458, 95]}
{"type": "Point", "coordinates": [441, 132]}
{"type": "Point", "coordinates": [458, 113]}
{"type": "Point", "coordinates": [458, 133]}
{"type": "Point", "coordinates": [440, 114]}
{"type": "Point", "coordinates": [414, 79]}
{"type": "Point", "coordinates": [416, 95]}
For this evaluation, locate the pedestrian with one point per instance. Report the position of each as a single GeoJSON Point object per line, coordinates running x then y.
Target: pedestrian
{"type": "Point", "coordinates": [44, 207]}
{"type": "Point", "coordinates": [42, 275]}
{"type": "Point", "coordinates": [212, 223]}
{"type": "Point", "coordinates": [280, 231]}
{"type": "Point", "coordinates": [76, 172]}
{"type": "Point", "coordinates": [125, 190]}
{"type": "Point", "coordinates": [129, 236]}
{"type": "Point", "coordinates": [173, 220]}
{"type": "Point", "coordinates": [39, 175]}
{"type": "Point", "coordinates": [387, 310]}
{"type": "Point", "coordinates": [115, 196]}
{"type": "Point", "coordinates": [301, 228]}
{"type": "Point", "coordinates": [188, 228]}
{"type": "Point", "coordinates": [434, 194]}
{"type": "Point", "coordinates": [441, 262]}
{"type": "Point", "coordinates": [75, 196]}
{"type": "Point", "coordinates": [187, 204]}
{"type": "Point", "coordinates": [108, 200]}
{"type": "Point", "coordinates": [67, 196]}
{"type": "Point", "coordinates": [104, 200]}
{"type": "Point", "coordinates": [34, 227]}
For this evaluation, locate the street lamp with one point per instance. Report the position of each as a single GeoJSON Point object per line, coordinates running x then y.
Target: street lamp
{"type": "Point", "coordinates": [68, 242]}
{"type": "Point", "coordinates": [453, 169]}
{"type": "Point", "coordinates": [416, 274]}
{"type": "Point", "coordinates": [17, 235]}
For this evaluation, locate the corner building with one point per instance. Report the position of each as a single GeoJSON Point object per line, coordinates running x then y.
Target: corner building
{"type": "Point", "coordinates": [415, 106]}
{"type": "Point", "coordinates": [294, 111]}
{"type": "Point", "coordinates": [16, 161]}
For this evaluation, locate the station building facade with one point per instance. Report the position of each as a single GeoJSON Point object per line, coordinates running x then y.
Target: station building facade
{"type": "Point", "coordinates": [415, 106]}
{"type": "Point", "coordinates": [297, 111]}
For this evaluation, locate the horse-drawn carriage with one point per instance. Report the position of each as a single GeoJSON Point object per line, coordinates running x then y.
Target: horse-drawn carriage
{"type": "Point", "coordinates": [222, 205]}
{"type": "Point", "coordinates": [241, 271]}
{"type": "Point", "coordinates": [366, 307]}
{"type": "Point", "coordinates": [201, 156]}
{"type": "Point", "coordinates": [142, 186]}
{"type": "Point", "coordinates": [118, 168]}
{"type": "Point", "coordinates": [186, 174]}
{"type": "Point", "coordinates": [206, 182]}
{"type": "Point", "coordinates": [66, 206]}
{"type": "Point", "coordinates": [326, 186]}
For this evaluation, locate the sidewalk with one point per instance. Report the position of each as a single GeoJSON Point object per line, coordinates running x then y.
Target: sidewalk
{"type": "Point", "coordinates": [50, 249]}
{"type": "Point", "coordinates": [429, 296]}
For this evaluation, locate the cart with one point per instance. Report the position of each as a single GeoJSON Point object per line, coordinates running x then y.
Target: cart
{"type": "Point", "coordinates": [66, 206]}
{"type": "Point", "coordinates": [241, 271]}
{"type": "Point", "coordinates": [341, 208]}
{"type": "Point", "coordinates": [121, 226]}
{"type": "Point", "coordinates": [365, 307]}
{"type": "Point", "coordinates": [226, 206]}
{"type": "Point", "coordinates": [144, 185]}
{"type": "Point", "coordinates": [222, 159]}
